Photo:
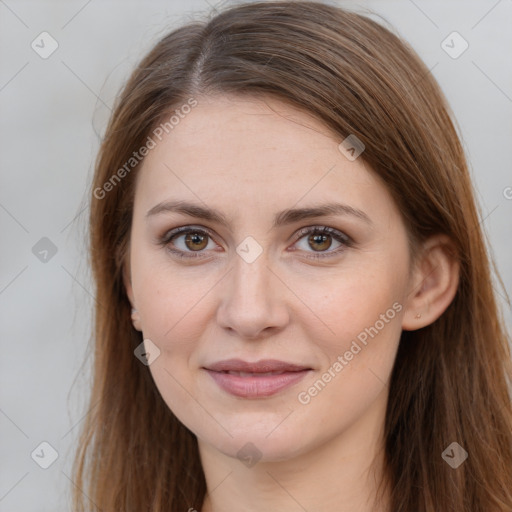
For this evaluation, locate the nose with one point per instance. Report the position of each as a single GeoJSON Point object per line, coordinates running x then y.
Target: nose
{"type": "Point", "coordinates": [253, 303]}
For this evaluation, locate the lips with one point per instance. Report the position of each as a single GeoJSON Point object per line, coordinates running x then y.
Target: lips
{"type": "Point", "coordinates": [256, 380]}
{"type": "Point", "coordinates": [259, 367]}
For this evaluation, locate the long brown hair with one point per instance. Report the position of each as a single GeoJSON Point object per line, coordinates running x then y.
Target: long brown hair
{"type": "Point", "coordinates": [450, 380]}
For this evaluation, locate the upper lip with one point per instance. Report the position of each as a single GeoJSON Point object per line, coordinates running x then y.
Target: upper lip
{"type": "Point", "coordinates": [262, 366]}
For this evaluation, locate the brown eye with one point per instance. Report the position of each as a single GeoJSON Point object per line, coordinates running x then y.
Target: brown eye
{"type": "Point", "coordinates": [190, 242]}
{"type": "Point", "coordinates": [196, 241]}
{"type": "Point", "coordinates": [318, 239]}
{"type": "Point", "coordinates": [187, 242]}
{"type": "Point", "coordinates": [320, 242]}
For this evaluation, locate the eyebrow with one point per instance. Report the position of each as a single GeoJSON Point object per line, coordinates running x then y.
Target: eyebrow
{"type": "Point", "coordinates": [282, 218]}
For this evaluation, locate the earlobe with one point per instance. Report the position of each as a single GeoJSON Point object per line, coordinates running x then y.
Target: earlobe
{"type": "Point", "coordinates": [136, 319]}
{"type": "Point", "coordinates": [127, 281]}
{"type": "Point", "coordinates": [433, 285]}
{"type": "Point", "coordinates": [129, 292]}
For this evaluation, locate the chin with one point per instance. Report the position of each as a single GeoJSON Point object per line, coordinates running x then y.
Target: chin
{"type": "Point", "coordinates": [255, 444]}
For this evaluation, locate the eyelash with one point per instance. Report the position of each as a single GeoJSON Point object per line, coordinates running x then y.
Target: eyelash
{"type": "Point", "coordinates": [344, 239]}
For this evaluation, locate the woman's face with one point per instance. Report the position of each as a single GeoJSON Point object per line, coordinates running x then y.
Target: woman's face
{"type": "Point", "coordinates": [262, 286]}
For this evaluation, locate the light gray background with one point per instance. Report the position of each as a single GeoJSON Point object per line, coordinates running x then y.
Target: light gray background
{"type": "Point", "coordinates": [52, 111]}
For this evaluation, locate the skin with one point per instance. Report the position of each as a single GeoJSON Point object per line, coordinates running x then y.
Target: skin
{"type": "Point", "coordinates": [251, 159]}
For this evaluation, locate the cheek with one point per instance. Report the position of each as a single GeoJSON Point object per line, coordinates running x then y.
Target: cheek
{"type": "Point", "coordinates": [170, 300]}
{"type": "Point", "coordinates": [174, 312]}
{"type": "Point", "coordinates": [359, 350]}
{"type": "Point", "coordinates": [360, 305]}
{"type": "Point", "coordinates": [356, 304]}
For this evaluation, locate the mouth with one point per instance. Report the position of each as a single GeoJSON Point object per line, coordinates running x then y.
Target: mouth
{"type": "Point", "coordinates": [256, 380]}
{"type": "Point", "coordinates": [253, 374]}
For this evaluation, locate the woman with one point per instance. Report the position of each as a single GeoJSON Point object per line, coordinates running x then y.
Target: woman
{"type": "Point", "coordinates": [295, 309]}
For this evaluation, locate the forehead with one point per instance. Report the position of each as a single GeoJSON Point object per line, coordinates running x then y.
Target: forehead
{"type": "Point", "coordinates": [232, 152]}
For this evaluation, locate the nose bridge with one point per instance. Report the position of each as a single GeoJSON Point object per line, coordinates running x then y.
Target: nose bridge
{"type": "Point", "coordinates": [251, 302]}
{"type": "Point", "coordinates": [250, 280]}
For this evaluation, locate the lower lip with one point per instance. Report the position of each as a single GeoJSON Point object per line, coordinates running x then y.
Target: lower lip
{"type": "Point", "coordinates": [256, 387]}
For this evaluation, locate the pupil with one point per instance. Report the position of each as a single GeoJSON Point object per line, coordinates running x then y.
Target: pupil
{"type": "Point", "coordinates": [195, 238]}
{"type": "Point", "coordinates": [320, 238]}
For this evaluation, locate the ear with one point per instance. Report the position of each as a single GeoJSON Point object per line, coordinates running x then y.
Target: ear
{"type": "Point", "coordinates": [433, 284]}
{"type": "Point", "coordinates": [127, 281]}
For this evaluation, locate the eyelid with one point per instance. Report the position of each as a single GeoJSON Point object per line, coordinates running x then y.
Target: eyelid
{"type": "Point", "coordinates": [168, 235]}
{"type": "Point", "coordinates": [321, 229]}
{"type": "Point", "coordinates": [338, 235]}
